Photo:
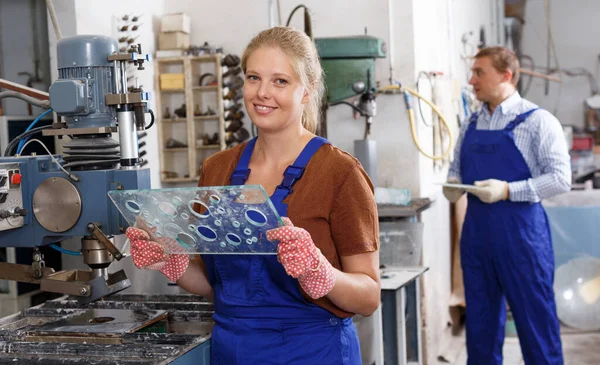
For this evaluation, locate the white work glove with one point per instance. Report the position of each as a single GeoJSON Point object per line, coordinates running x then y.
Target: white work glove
{"type": "Point", "coordinates": [491, 191]}
{"type": "Point", "coordinates": [453, 194]}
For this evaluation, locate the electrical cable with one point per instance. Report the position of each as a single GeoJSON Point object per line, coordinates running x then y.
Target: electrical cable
{"type": "Point", "coordinates": [43, 104]}
{"type": "Point", "coordinates": [64, 250]}
{"type": "Point", "coordinates": [287, 24]}
{"type": "Point", "coordinates": [419, 100]}
{"type": "Point", "coordinates": [354, 107]}
{"type": "Point", "coordinates": [39, 117]}
{"type": "Point", "coordinates": [411, 116]}
{"type": "Point", "coordinates": [70, 175]}
{"type": "Point", "coordinates": [16, 140]}
{"type": "Point", "coordinates": [151, 120]}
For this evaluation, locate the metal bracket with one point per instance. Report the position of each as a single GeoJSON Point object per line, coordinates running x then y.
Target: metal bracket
{"type": "Point", "coordinates": [129, 98]}
{"type": "Point", "coordinates": [101, 237]}
{"type": "Point", "coordinates": [83, 286]}
{"type": "Point", "coordinates": [22, 273]}
{"type": "Point", "coordinates": [72, 131]}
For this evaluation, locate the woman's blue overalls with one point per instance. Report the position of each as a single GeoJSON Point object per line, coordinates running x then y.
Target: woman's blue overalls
{"type": "Point", "coordinates": [260, 315]}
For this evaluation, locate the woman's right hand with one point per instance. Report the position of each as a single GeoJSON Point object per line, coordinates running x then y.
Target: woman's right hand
{"type": "Point", "coordinates": [151, 253]}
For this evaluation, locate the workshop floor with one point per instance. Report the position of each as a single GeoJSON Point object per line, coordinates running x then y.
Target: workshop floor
{"type": "Point", "coordinates": [578, 348]}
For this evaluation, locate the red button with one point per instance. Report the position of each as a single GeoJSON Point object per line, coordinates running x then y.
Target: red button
{"type": "Point", "coordinates": [16, 179]}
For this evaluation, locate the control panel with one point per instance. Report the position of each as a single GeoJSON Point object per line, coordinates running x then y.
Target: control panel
{"type": "Point", "coordinates": [11, 197]}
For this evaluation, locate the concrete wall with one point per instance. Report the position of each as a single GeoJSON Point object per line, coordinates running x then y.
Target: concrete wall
{"type": "Point", "coordinates": [575, 27]}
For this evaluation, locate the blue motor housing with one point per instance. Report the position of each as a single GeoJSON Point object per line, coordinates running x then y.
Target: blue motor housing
{"type": "Point", "coordinates": [85, 76]}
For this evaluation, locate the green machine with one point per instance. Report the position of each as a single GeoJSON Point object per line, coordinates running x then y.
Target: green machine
{"type": "Point", "coordinates": [349, 64]}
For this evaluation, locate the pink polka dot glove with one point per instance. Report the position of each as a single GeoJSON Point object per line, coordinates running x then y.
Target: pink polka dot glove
{"type": "Point", "coordinates": [302, 259]}
{"type": "Point", "coordinates": [150, 252]}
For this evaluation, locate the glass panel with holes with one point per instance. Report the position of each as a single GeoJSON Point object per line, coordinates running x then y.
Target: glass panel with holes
{"type": "Point", "coordinates": [208, 220]}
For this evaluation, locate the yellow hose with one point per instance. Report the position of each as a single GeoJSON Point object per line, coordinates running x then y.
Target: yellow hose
{"type": "Point", "coordinates": [413, 129]}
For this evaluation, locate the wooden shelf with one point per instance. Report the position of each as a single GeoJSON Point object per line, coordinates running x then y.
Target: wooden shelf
{"type": "Point", "coordinates": [200, 58]}
{"type": "Point", "coordinates": [174, 121]}
{"type": "Point", "coordinates": [206, 58]}
{"type": "Point", "coordinates": [176, 149]}
{"type": "Point", "coordinates": [205, 88]}
{"type": "Point", "coordinates": [189, 158]}
{"type": "Point", "coordinates": [169, 60]}
{"type": "Point", "coordinates": [206, 117]}
{"type": "Point", "coordinates": [179, 179]}
{"type": "Point", "coordinates": [209, 147]}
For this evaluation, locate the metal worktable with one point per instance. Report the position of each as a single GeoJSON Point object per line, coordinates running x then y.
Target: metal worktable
{"type": "Point", "coordinates": [184, 338]}
{"type": "Point", "coordinates": [410, 212]}
{"type": "Point", "coordinates": [401, 315]}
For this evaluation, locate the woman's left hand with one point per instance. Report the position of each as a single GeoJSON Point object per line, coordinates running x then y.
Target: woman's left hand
{"type": "Point", "coordinates": [302, 259]}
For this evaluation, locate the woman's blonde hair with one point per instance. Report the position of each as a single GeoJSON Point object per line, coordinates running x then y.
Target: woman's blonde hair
{"type": "Point", "coordinates": [301, 49]}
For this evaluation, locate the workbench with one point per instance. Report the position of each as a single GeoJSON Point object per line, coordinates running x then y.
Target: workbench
{"type": "Point", "coordinates": [183, 340]}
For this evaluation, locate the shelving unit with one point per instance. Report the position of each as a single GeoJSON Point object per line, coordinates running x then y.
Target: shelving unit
{"type": "Point", "coordinates": [186, 161]}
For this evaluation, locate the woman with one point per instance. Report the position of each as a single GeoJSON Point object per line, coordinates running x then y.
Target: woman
{"type": "Point", "coordinates": [296, 308]}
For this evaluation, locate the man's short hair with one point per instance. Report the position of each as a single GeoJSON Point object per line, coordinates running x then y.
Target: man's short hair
{"type": "Point", "coordinates": [502, 59]}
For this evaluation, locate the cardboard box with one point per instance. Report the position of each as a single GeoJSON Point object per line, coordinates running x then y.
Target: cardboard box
{"type": "Point", "coordinates": [173, 40]}
{"type": "Point", "coordinates": [171, 81]}
{"type": "Point", "coordinates": [178, 22]}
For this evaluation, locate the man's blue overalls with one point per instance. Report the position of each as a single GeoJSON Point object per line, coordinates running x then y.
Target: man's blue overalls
{"type": "Point", "coordinates": [260, 315]}
{"type": "Point", "coordinates": [506, 253]}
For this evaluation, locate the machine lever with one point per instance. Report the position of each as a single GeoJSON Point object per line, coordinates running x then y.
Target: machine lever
{"type": "Point", "coordinates": [99, 235]}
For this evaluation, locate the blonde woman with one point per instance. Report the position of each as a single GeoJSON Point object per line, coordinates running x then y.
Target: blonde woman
{"type": "Point", "coordinates": [295, 308]}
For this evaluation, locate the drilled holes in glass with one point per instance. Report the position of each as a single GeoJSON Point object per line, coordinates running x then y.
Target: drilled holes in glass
{"type": "Point", "coordinates": [218, 222]}
{"type": "Point", "coordinates": [247, 231]}
{"type": "Point", "coordinates": [158, 234]}
{"type": "Point", "coordinates": [171, 230]}
{"type": "Point", "coordinates": [256, 217]}
{"type": "Point", "coordinates": [177, 201]}
{"type": "Point", "coordinates": [249, 241]}
{"type": "Point", "coordinates": [236, 224]}
{"type": "Point", "coordinates": [222, 244]}
{"type": "Point", "coordinates": [132, 206]}
{"type": "Point", "coordinates": [203, 208]}
{"type": "Point", "coordinates": [185, 215]}
{"type": "Point", "coordinates": [215, 199]}
{"type": "Point", "coordinates": [145, 213]}
{"type": "Point", "coordinates": [185, 240]}
{"type": "Point", "coordinates": [233, 239]}
{"type": "Point", "coordinates": [221, 210]}
{"type": "Point", "coordinates": [167, 209]}
{"type": "Point", "coordinates": [206, 233]}
{"type": "Point", "coordinates": [192, 228]}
